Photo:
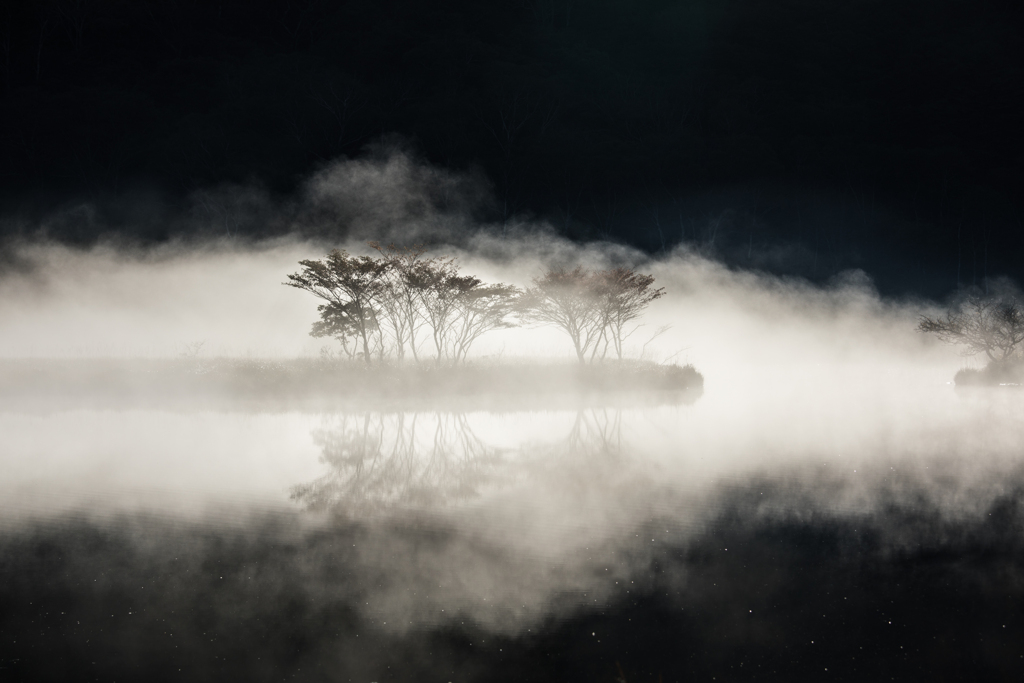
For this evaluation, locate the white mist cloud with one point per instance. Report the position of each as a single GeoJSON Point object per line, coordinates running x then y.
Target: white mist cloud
{"type": "Point", "coordinates": [103, 302]}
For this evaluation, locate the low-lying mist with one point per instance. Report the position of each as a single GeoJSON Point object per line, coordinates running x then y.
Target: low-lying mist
{"type": "Point", "coordinates": [829, 501]}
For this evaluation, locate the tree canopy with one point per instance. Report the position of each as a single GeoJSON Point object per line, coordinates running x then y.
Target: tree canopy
{"type": "Point", "coordinates": [595, 308]}
{"type": "Point", "coordinates": [377, 307]}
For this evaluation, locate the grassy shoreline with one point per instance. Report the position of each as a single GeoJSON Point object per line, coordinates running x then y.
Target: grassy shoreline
{"type": "Point", "coordinates": [306, 384]}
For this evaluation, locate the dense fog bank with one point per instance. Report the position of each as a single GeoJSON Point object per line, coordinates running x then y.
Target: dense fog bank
{"type": "Point", "coordinates": [226, 299]}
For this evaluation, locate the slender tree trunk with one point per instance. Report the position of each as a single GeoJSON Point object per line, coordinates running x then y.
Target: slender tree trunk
{"type": "Point", "coordinates": [366, 349]}
{"type": "Point", "coordinates": [366, 341]}
{"type": "Point", "coordinates": [579, 350]}
{"type": "Point", "coordinates": [437, 346]}
{"type": "Point", "coordinates": [411, 315]}
{"type": "Point", "coordinates": [412, 343]}
{"type": "Point", "coordinates": [597, 347]}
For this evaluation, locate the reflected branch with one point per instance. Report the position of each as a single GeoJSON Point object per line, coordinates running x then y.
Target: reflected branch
{"type": "Point", "coordinates": [378, 462]}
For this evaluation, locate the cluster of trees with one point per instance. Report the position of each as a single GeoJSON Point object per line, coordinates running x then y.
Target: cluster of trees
{"type": "Point", "coordinates": [389, 305]}
{"type": "Point", "coordinates": [383, 306]}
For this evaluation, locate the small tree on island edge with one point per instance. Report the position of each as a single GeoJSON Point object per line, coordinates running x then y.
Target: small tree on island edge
{"type": "Point", "coordinates": [992, 324]}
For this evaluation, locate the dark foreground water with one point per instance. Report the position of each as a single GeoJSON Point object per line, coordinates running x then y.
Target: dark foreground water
{"type": "Point", "coordinates": [772, 538]}
{"type": "Point", "coordinates": [902, 594]}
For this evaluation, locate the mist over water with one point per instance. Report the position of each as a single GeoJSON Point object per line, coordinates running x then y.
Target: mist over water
{"type": "Point", "coordinates": [829, 485]}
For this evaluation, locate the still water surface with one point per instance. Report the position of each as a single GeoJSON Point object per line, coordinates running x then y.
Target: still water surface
{"type": "Point", "coordinates": [378, 463]}
{"type": "Point", "coordinates": [779, 530]}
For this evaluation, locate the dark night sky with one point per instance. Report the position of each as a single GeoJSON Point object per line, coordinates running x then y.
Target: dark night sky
{"type": "Point", "coordinates": [799, 136]}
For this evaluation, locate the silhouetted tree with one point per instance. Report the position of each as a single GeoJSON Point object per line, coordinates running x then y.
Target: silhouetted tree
{"type": "Point", "coordinates": [993, 324]}
{"type": "Point", "coordinates": [382, 303]}
{"type": "Point", "coordinates": [481, 308]}
{"type": "Point", "coordinates": [436, 284]}
{"type": "Point", "coordinates": [349, 284]}
{"type": "Point", "coordinates": [595, 308]}
{"type": "Point", "coordinates": [397, 297]}
{"type": "Point", "coordinates": [460, 308]}
{"type": "Point", "coordinates": [627, 293]}
{"type": "Point", "coordinates": [336, 321]}
{"type": "Point", "coordinates": [571, 300]}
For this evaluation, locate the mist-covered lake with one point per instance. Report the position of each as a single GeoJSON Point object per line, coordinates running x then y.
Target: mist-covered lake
{"type": "Point", "coordinates": [829, 507]}
{"type": "Point", "coordinates": [372, 463]}
{"type": "Point", "coordinates": [772, 536]}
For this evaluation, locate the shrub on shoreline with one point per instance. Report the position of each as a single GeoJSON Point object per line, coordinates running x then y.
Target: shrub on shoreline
{"type": "Point", "coordinates": [997, 373]}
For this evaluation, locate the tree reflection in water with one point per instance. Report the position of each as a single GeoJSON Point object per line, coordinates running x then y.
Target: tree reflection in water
{"type": "Point", "coordinates": [386, 461]}
{"type": "Point", "coordinates": [382, 461]}
{"type": "Point", "coordinates": [596, 432]}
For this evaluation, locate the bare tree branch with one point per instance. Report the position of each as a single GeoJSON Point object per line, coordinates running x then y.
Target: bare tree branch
{"type": "Point", "coordinates": [993, 325]}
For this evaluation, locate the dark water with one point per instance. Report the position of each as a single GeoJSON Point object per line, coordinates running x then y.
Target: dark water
{"type": "Point", "coordinates": [808, 596]}
{"type": "Point", "coordinates": [755, 539]}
